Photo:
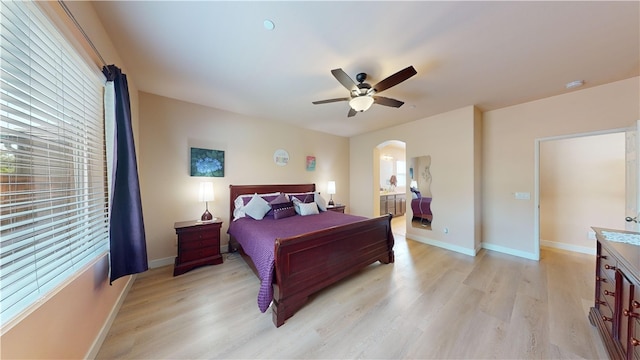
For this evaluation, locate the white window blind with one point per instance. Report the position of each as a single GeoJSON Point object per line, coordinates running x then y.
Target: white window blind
{"type": "Point", "coordinates": [53, 208]}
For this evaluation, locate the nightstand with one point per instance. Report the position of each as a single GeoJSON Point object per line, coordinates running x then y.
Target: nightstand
{"type": "Point", "coordinates": [198, 244]}
{"type": "Point", "coordinates": [337, 208]}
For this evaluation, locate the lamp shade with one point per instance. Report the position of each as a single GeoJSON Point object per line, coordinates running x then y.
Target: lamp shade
{"type": "Point", "coordinates": [361, 103]}
{"type": "Point", "coordinates": [331, 187]}
{"type": "Point", "coordinates": [206, 191]}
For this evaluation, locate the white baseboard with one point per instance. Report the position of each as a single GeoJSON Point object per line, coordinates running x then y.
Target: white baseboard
{"type": "Point", "coordinates": [509, 251]}
{"type": "Point", "coordinates": [161, 262]}
{"type": "Point", "coordinates": [444, 245]}
{"type": "Point", "coordinates": [102, 335]}
{"type": "Point", "coordinates": [569, 247]}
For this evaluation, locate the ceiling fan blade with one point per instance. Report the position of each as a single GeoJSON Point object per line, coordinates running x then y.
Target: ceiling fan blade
{"type": "Point", "coordinates": [351, 112]}
{"type": "Point", "coordinates": [395, 79]}
{"type": "Point", "coordinates": [331, 100]}
{"type": "Point", "coordinates": [344, 79]}
{"type": "Point", "coordinates": [381, 100]}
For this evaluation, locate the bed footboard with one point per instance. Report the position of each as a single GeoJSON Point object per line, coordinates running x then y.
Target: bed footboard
{"type": "Point", "coordinates": [307, 263]}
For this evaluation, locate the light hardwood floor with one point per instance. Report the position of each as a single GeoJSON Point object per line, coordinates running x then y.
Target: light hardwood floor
{"type": "Point", "coordinates": [430, 303]}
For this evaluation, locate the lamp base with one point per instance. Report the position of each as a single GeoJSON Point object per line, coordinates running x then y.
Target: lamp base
{"type": "Point", "coordinates": [331, 203]}
{"type": "Point", "coordinates": [206, 216]}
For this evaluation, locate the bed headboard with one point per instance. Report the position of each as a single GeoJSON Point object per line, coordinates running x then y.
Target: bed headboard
{"type": "Point", "coordinates": [236, 190]}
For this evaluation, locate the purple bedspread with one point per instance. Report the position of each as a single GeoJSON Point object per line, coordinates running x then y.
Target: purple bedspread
{"type": "Point", "coordinates": [257, 238]}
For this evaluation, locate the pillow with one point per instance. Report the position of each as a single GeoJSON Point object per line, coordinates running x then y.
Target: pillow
{"type": "Point", "coordinates": [281, 198]}
{"type": "Point", "coordinates": [308, 209]}
{"type": "Point", "coordinates": [307, 197]}
{"type": "Point", "coordinates": [283, 210]}
{"type": "Point", "coordinates": [257, 207]}
{"type": "Point", "coordinates": [322, 203]}
{"type": "Point", "coordinates": [242, 200]}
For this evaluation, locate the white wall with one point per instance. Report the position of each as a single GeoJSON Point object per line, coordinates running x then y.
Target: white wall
{"type": "Point", "coordinates": [582, 184]}
{"type": "Point", "coordinates": [451, 141]}
{"type": "Point", "coordinates": [170, 127]}
{"type": "Point", "coordinates": [508, 166]}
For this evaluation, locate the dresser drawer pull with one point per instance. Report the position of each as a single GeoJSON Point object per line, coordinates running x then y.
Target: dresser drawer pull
{"type": "Point", "coordinates": [604, 318]}
{"type": "Point", "coordinates": [603, 257]}
{"type": "Point", "coordinates": [635, 342]}
{"type": "Point", "coordinates": [610, 293]}
{"type": "Point", "coordinates": [629, 313]}
{"type": "Point", "coordinates": [635, 304]}
{"type": "Point", "coordinates": [598, 278]}
{"type": "Point", "coordinates": [600, 302]}
{"type": "Point", "coordinates": [609, 267]}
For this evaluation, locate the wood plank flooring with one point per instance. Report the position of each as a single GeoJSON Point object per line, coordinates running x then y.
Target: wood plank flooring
{"type": "Point", "coordinates": [430, 304]}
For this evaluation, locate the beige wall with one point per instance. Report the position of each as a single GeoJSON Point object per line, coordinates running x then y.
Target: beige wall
{"type": "Point", "coordinates": [170, 127]}
{"type": "Point", "coordinates": [582, 184]}
{"type": "Point", "coordinates": [451, 140]}
{"type": "Point", "coordinates": [70, 323]}
{"type": "Point", "coordinates": [509, 137]}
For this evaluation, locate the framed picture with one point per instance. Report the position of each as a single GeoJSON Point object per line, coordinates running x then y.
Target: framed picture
{"type": "Point", "coordinates": [205, 162]}
{"type": "Point", "coordinates": [311, 163]}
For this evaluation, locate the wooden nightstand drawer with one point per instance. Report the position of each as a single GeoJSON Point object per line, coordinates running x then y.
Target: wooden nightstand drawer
{"type": "Point", "coordinates": [198, 244]}
{"type": "Point", "coordinates": [337, 208]}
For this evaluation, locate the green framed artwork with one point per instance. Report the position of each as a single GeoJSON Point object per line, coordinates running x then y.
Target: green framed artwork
{"type": "Point", "coordinates": [205, 162]}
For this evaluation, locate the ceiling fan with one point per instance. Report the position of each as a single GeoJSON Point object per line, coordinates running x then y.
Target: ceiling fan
{"type": "Point", "coordinates": [363, 95]}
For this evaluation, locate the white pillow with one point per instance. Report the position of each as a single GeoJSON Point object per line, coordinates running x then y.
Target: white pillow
{"type": "Point", "coordinates": [322, 203]}
{"type": "Point", "coordinates": [257, 207]}
{"type": "Point", "coordinates": [308, 208]}
{"type": "Point", "coordinates": [238, 211]}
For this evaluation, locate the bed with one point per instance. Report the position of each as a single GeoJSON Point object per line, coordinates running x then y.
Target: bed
{"type": "Point", "coordinates": [421, 206]}
{"type": "Point", "coordinates": [293, 264]}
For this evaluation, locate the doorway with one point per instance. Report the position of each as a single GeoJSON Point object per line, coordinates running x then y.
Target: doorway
{"type": "Point", "coordinates": [580, 183]}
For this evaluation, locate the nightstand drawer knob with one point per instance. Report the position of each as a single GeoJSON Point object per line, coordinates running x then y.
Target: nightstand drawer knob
{"type": "Point", "coordinates": [609, 267]}
{"type": "Point", "coordinates": [598, 278]}
{"type": "Point", "coordinates": [610, 293]}
{"type": "Point", "coordinates": [604, 318]}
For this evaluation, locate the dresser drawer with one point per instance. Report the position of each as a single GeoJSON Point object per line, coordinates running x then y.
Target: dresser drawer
{"type": "Point", "coordinates": [196, 254]}
{"type": "Point", "coordinates": [198, 242]}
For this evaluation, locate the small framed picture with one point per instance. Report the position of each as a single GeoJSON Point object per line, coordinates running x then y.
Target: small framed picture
{"type": "Point", "coordinates": [311, 163]}
{"type": "Point", "coordinates": [205, 162]}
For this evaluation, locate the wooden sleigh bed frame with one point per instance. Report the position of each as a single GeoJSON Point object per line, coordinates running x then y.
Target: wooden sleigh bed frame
{"type": "Point", "coordinates": [307, 263]}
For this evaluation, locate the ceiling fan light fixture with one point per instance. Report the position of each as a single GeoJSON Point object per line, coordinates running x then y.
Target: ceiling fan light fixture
{"type": "Point", "coordinates": [361, 103]}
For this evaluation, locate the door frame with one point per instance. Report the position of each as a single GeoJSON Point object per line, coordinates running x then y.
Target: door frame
{"type": "Point", "coordinates": [536, 192]}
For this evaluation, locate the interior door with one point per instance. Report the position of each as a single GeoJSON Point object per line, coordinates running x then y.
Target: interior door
{"type": "Point", "coordinates": [632, 182]}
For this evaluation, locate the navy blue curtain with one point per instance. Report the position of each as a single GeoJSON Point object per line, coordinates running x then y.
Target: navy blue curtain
{"type": "Point", "coordinates": [128, 254]}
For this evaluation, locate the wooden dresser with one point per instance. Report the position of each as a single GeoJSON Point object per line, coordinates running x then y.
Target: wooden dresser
{"type": "Point", "coordinates": [393, 203]}
{"type": "Point", "coordinates": [616, 311]}
{"type": "Point", "coordinates": [198, 244]}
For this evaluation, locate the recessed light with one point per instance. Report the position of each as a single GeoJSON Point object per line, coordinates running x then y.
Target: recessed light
{"type": "Point", "coordinates": [269, 25]}
{"type": "Point", "coordinates": [574, 84]}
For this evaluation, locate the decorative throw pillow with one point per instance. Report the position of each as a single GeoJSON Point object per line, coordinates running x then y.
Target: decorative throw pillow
{"type": "Point", "coordinates": [308, 209]}
{"type": "Point", "coordinates": [281, 198]}
{"type": "Point", "coordinates": [283, 210]}
{"type": "Point", "coordinates": [242, 200]}
{"type": "Point", "coordinates": [257, 207]}
{"type": "Point", "coordinates": [307, 197]}
{"type": "Point", "coordinates": [322, 203]}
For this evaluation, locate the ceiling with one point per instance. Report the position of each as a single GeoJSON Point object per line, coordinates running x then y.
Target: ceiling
{"type": "Point", "coordinates": [488, 54]}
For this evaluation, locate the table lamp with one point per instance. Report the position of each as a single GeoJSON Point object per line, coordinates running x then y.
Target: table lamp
{"type": "Point", "coordinates": [331, 189]}
{"type": "Point", "coordinates": [206, 195]}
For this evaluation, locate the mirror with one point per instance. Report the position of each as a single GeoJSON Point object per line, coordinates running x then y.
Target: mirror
{"type": "Point", "coordinates": [420, 184]}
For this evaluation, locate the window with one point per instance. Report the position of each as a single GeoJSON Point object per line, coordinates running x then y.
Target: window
{"type": "Point", "coordinates": [401, 169]}
{"type": "Point", "coordinates": [53, 198]}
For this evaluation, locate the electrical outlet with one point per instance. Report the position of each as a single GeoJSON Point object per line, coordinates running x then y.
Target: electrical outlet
{"type": "Point", "coordinates": [523, 196]}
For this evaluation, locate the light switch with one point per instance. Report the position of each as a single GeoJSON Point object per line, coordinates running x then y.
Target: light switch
{"type": "Point", "coordinates": [523, 196]}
